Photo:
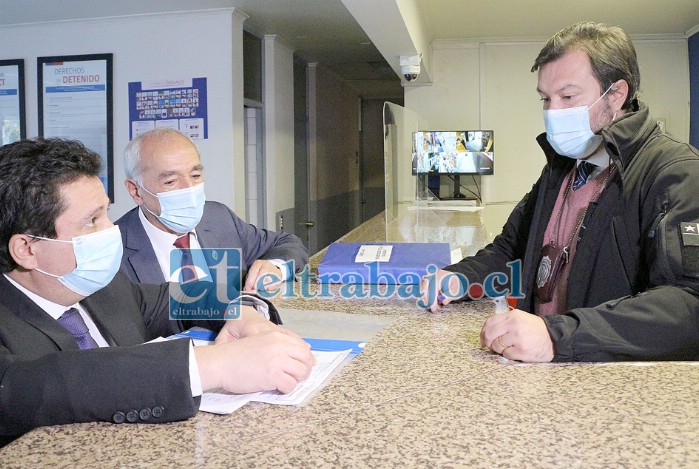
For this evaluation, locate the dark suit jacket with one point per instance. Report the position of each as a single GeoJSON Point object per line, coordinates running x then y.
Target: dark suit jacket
{"type": "Point", "coordinates": [219, 228]}
{"type": "Point", "coordinates": [46, 380]}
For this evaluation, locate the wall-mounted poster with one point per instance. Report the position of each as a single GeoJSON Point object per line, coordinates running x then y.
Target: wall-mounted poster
{"type": "Point", "coordinates": [75, 102]}
{"type": "Point", "coordinates": [12, 118]}
{"type": "Point", "coordinates": [175, 103]}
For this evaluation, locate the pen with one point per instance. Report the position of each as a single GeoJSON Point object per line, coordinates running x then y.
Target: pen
{"type": "Point", "coordinates": [504, 304]}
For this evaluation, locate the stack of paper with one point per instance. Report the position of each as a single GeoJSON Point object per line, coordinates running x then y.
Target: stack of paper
{"type": "Point", "coordinates": [225, 403]}
{"type": "Point", "coordinates": [330, 355]}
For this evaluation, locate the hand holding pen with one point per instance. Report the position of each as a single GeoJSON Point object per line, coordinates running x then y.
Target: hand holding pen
{"type": "Point", "coordinates": [438, 289]}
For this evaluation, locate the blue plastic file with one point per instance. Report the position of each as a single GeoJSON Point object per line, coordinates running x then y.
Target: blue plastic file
{"type": "Point", "coordinates": [333, 345]}
{"type": "Point", "coordinates": [407, 264]}
{"type": "Point", "coordinates": [321, 345]}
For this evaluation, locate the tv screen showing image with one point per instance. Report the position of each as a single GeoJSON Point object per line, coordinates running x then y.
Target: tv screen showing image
{"type": "Point", "coordinates": [453, 152]}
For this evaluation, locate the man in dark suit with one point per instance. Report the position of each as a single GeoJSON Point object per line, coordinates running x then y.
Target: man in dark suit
{"type": "Point", "coordinates": [72, 327]}
{"type": "Point", "coordinates": [165, 178]}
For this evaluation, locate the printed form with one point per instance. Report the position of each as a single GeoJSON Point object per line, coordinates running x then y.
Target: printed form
{"type": "Point", "coordinates": [327, 363]}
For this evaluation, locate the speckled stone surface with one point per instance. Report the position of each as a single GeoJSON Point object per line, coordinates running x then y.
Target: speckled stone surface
{"type": "Point", "coordinates": [422, 394]}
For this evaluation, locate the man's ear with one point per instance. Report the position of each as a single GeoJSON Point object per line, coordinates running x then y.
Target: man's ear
{"type": "Point", "coordinates": [617, 95]}
{"type": "Point", "coordinates": [21, 248]}
{"type": "Point", "coordinates": [133, 188]}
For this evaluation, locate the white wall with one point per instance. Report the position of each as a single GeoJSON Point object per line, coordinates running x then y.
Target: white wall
{"type": "Point", "coordinates": [152, 47]}
{"type": "Point", "coordinates": [665, 82]}
{"type": "Point", "coordinates": [279, 127]}
{"type": "Point", "coordinates": [490, 86]}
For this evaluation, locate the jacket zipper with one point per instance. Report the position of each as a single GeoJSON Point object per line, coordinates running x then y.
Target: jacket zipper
{"type": "Point", "coordinates": [656, 222]}
{"type": "Point", "coordinates": [658, 232]}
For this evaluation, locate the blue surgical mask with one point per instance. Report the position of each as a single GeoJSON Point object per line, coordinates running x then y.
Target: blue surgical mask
{"type": "Point", "coordinates": [569, 133]}
{"type": "Point", "coordinates": [181, 209]}
{"type": "Point", "coordinates": [98, 258]}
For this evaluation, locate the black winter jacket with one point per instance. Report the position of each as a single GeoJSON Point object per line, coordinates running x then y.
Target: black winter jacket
{"type": "Point", "coordinates": [633, 290]}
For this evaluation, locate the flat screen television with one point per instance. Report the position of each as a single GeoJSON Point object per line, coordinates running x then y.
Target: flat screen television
{"type": "Point", "coordinates": [453, 152]}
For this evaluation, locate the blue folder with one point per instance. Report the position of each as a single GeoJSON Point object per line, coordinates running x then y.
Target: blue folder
{"type": "Point", "coordinates": [335, 345]}
{"type": "Point", "coordinates": [321, 345]}
{"type": "Point", "coordinates": [407, 264]}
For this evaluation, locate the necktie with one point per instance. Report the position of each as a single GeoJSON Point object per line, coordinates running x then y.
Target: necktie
{"type": "Point", "coordinates": [581, 174]}
{"type": "Point", "coordinates": [187, 272]}
{"type": "Point", "coordinates": [74, 323]}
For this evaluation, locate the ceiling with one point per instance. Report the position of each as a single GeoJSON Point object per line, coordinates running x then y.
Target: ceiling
{"type": "Point", "coordinates": [324, 31]}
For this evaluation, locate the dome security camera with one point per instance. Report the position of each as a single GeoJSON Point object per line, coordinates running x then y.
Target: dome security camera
{"type": "Point", "coordinates": [410, 66]}
{"type": "Point", "coordinates": [410, 72]}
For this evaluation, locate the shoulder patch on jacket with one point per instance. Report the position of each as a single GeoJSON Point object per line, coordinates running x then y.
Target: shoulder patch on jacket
{"type": "Point", "coordinates": [689, 231]}
{"type": "Point", "coordinates": [690, 234]}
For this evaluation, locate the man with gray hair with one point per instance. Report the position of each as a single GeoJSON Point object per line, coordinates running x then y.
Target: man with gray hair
{"type": "Point", "coordinates": [165, 178]}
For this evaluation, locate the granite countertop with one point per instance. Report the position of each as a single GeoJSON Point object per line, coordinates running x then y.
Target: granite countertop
{"type": "Point", "coordinates": [422, 394]}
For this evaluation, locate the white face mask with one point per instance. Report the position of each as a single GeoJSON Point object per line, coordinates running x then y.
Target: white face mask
{"type": "Point", "coordinates": [98, 258]}
{"type": "Point", "coordinates": [181, 209]}
{"type": "Point", "coordinates": [569, 133]}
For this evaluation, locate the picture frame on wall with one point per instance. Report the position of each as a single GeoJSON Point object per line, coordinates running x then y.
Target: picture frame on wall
{"type": "Point", "coordinates": [12, 112]}
{"type": "Point", "coordinates": [75, 101]}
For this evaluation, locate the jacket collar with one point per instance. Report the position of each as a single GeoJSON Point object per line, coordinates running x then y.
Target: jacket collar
{"type": "Point", "coordinates": [22, 307]}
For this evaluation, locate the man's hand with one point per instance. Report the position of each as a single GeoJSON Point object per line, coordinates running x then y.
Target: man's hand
{"type": "Point", "coordinates": [518, 335]}
{"type": "Point", "coordinates": [432, 296]}
{"type": "Point", "coordinates": [262, 268]}
{"type": "Point", "coordinates": [250, 323]}
{"type": "Point", "coordinates": [268, 361]}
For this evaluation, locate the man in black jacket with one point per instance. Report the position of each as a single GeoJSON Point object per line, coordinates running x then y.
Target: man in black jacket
{"type": "Point", "coordinates": [72, 327]}
{"type": "Point", "coordinates": [608, 237]}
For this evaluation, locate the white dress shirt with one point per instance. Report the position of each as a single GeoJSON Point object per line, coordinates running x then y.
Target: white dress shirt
{"type": "Point", "coordinates": [163, 242]}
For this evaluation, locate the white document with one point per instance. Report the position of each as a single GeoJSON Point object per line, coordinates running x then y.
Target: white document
{"type": "Point", "coordinates": [373, 253]}
{"type": "Point", "coordinates": [225, 403]}
{"type": "Point", "coordinates": [456, 255]}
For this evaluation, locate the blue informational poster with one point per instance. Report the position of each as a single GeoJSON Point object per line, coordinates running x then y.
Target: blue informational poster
{"type": "Point", "coordinates": [174, 103]}
{"type": "Point", "coordinates": [75, 103]}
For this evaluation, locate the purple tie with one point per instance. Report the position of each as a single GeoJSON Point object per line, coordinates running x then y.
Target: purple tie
{"type": "Point", "coordinates": [581, 174]}
{"type": "Point", "coordinates": [74, 323]}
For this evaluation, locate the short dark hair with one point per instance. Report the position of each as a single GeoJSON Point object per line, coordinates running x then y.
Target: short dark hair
{"type": "Point", "coordinates": [610, 50]}
{"type": "Point", "coordinates": [32, 173]}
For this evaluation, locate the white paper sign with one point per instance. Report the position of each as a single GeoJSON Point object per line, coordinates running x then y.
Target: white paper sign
{"type": "Point", "coordinates": [373, 253]}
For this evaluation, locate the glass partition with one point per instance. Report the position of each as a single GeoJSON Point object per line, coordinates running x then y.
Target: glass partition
{"type": "Point", "coordinates": [413, 212]}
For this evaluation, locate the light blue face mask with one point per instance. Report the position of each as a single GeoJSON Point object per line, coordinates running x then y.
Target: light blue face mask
{"type": "Point", "coordinates": [181, 209]}
{"type": "Point", "coordinates": [98, 258]}
{"type": "Point", "coordinates": [569, 133]}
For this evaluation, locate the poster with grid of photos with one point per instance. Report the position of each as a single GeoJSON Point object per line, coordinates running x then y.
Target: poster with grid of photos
{"type": "Point", "coordinates": [174, 103]}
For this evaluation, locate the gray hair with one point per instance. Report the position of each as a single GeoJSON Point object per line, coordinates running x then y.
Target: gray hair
{"type": "Point", "coordinates": [133, 168]}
